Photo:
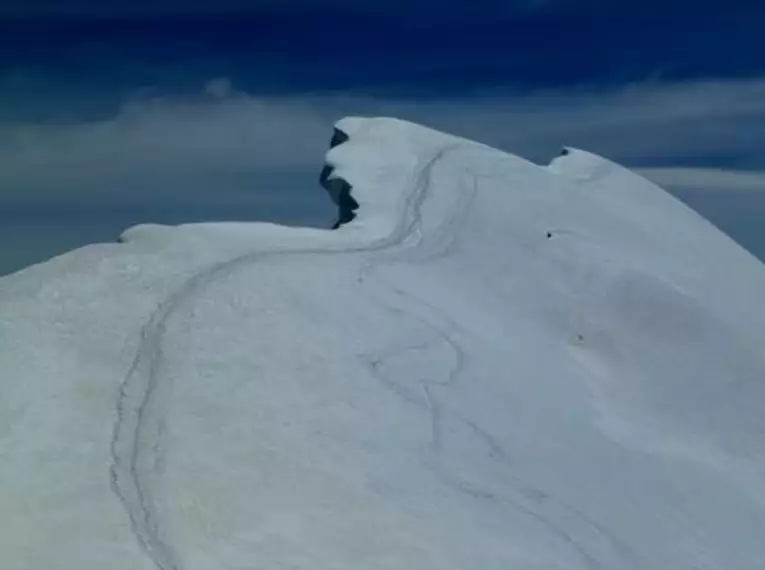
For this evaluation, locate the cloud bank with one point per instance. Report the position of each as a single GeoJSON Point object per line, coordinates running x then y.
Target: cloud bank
{"type": "Point", "coordinates": [159, 141]}
{"type": "Point", "coordinates": [718, 125]}
{"type": "Point", "coordinates": [707, 179]}
{"type": "Point", "coordinates": [224, 154]}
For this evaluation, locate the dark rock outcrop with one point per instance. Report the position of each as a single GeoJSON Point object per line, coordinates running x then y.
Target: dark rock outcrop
{"type": "Point", "coordinates": [338, 188]}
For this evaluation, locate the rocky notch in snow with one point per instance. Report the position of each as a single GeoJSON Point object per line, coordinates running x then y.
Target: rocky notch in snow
{"type": "Point", "coordinates": [489, 365]}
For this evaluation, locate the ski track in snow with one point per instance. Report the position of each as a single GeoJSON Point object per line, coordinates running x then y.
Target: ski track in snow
{"type": "Point", "coordinates": [532, 501]}
{"type": "Point", "coordinates": [136, 449]}
{"type": "Point", "coordinates": [135, 445]}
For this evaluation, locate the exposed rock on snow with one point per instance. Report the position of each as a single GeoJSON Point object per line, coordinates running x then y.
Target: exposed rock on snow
{"type": "Point", "coordinates": [339, 189]}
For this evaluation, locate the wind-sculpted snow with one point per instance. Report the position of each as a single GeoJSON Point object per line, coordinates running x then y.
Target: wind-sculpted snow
{"type": "Point", "coordinates": [489, 364]}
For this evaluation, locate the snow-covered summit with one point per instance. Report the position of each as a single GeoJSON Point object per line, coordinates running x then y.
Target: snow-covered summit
{"type": "Point", "coordinates": [489, 364]}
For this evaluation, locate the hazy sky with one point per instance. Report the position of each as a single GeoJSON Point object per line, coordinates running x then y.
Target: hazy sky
{"type": "Point", "coordinates": [115, 113]}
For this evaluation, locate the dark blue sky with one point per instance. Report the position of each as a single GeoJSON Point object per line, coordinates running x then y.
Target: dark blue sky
{"type": "Point", "coordinates": [92, 92]}
{"type": "Point", "coordinates": [427, 48]}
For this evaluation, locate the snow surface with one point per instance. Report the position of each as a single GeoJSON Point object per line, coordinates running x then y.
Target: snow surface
{"type": "Point", "coordinates": [496, 365]}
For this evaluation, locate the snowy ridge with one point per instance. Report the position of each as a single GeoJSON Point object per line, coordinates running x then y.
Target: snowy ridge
{"type": "Point", "coordinates": [490, 364]}
{"type": "Point", "coordinates": [133, 462]}
{"type": "Point", "coordinates": [379, 158]}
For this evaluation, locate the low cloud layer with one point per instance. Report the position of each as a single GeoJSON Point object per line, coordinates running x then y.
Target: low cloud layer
{"type": "Point", "coordinates": [707, 179]}
{"type": "Point", "coordinates": [224, 154]}
{"type": "Point", "coordinates": [159, 139]}
{"type": "Point", "coordinates": [714, 125]}
{"type": "Point", "coordinates": [710, 122]}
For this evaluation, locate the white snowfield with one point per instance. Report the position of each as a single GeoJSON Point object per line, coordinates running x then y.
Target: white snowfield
{"type": "Point", "coordinates": [495, 366]}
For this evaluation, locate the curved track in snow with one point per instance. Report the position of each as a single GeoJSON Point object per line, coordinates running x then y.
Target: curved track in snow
{"type": "Point", "coordinates": [137, 436]}
{"type": "Point", "coordinates": [136, 441]}
{"type": "Point", "coordinates": [552, 513]}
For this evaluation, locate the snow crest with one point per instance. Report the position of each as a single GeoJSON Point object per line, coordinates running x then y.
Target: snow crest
{"type": "Point", "coordinates": [488, 364]}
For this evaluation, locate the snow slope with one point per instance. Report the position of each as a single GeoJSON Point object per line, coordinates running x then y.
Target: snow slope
{"type": "Point", "coordinates": [494, 365]}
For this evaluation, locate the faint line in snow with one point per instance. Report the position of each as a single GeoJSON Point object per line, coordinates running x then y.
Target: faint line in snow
{"type": "Point", "coordinates": [135, 448]}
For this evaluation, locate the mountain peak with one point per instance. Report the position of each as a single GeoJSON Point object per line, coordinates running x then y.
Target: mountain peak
{"type": "Point", "coordinates": [488, 364]}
